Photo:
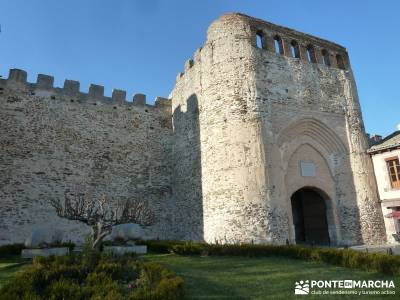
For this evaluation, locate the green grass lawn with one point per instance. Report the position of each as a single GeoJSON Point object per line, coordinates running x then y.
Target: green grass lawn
{"type": "Point", "coordinates": [9, 266]}
{"type": "Point", "coordinates": [257, 278]}
{"type": "Point", "coordinates": [232, 278]}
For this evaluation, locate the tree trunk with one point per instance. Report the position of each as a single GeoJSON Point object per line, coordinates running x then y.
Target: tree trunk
{"type": "Point", "coordinates": [98, 236]}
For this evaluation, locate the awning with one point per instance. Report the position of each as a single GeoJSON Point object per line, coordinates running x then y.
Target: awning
{"type": "Point", "coordinates": [394, 215]}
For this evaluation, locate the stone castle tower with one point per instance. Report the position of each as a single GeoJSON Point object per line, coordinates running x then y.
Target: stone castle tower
{"type": "Point", "coordinates": [276, 128]}
{"type": "Point", "coordinates": [262, 140]}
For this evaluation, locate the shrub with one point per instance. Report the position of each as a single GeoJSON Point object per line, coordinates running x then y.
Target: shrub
{"type": "Point", "coordinates": [170, 289]}
{"type": "Point", "coordinates": [157, 283]}
{"type": "Point", "coordinates": [160, 246]}
{"type": "Point", "coordinates": [118, 241]}
{"type": "Point", "coordinates": [189, 248]}
{"type": "Point", "coordinates": [90, 257]}
{"type": "Point", "coordinates": [56, 260]}
{"type": "Point", "coordinates": [65, 289]}
{"type": "Point", "coordinates": [118, 271]}
{"type": "Point", "coordinates": [93, 276]}
{"type": "Point", "coordinates": [33, 282]}
{"type": "Point", "coordinates": [348, 258]}
{"type": "Point", "coordinates": [13, 249]}
{"type": "Point", "coordinates": [102, 286]}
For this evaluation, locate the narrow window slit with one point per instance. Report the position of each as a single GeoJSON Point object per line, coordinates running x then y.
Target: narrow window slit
{"type": "Point", "coordinates": [294, 49]}
{"type": "Point", "coordinates": [259, 40]}
{"type": "Point", "coordinates": [325, 57]}
{"type": "Point", "coordinates": [340, 62]}
{"type": "Point", "coordinates": [278, 45]}
{"type": "Point", "coordinates": [311, 54]}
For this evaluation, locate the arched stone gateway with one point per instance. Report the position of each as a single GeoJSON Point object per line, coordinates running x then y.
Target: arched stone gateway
{"type": "Point", "coordinates": [310, 216]}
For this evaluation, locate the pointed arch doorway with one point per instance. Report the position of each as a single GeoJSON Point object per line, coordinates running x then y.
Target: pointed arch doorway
{"type": "Point", "coordinates": [310, 217]}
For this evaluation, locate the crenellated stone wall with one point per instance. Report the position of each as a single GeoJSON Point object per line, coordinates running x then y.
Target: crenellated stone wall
{"type": "Point", "coordinates": [57, 139]}
{"type": "Point", "coordinates": [220, 161]}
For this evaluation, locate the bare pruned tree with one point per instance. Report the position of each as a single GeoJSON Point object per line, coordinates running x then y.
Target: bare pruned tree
{"type": "Point", "coordinates": [101, 214]}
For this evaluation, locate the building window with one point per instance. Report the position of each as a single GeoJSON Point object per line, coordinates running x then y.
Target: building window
{"type": "Point", "coordinates": [340, 62]}
{"type": "Point", "coordinates": [393, 166]}
{"type": "Point", "coordinates": [311, 54]}
{"type": "Point", "coordinates": [278, 45]}
{"type": "Point", "coordinates": [260, 39]}
{"type": "Point", "coordinates": [294, 49]}
{"type": "Point", "coordinates": [325, 58]}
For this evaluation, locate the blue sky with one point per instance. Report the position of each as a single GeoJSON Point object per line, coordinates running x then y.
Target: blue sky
{"type": "Point", "coordinates": [140, 46]}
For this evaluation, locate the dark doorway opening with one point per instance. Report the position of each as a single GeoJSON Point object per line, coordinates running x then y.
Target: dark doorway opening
{"type": "Point", "coordinates": [309, 217]}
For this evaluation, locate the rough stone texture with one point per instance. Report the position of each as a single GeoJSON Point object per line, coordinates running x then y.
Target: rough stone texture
{"type": "Point", "coordinates": [52, 141]}
{"type": "Point", "coordinates": [225, 167]}
{"type": "Point", "coordinates": [260, 114]}
{"type": "Point", "coordinates": [40, 236]}
{"type": "Point", "coordinates": [126, 232]}
{"type": "Point", "coordinates": [31, 253]}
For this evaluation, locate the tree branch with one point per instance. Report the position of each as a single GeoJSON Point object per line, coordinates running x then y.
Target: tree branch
{"type": "Point", "coordinates": [100, 214]}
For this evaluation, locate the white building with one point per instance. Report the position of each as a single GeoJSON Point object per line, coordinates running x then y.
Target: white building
{"type": "Point", "coordinates": [385, 156]}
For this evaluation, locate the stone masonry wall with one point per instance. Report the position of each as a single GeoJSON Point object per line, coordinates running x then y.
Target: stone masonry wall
{"type": "Point", "coordinates": [55, 139]}
{"type": "Point", "coordinates": [257, 108]}
{"type": "Point", "coordinates": [218, 162]}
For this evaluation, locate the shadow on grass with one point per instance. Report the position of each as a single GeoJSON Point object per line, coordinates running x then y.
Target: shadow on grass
{"type": "Point", "coordinates": [256, 278]}
{"type": "Point", "coordinates": [9, 266]}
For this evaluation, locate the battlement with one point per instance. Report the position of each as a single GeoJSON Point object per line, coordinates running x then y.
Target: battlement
{"type": "Point", "coordinates": [44, 86]}
{"type": "Point", "coordinates": [294, 44]}
{"type": "Point", "coordinates": [283, 41]}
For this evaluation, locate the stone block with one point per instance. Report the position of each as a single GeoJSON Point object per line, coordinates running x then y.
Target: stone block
{"type": "Point", "coordinates": [17, 75]}
{"type": "Point", "coordinates": [119, 96]}
{"type": "Point", "coordinates": [318, 56]}
{"type": "Point", "coordinates": [96, 91]}
{"type": "Point", "coordinates": [30, 253]}
{"type": "Point", "coordinates": [71, 87]}
{"type": "Point", "coordinates": [303, 53]}
{"type": "Point", "coordinates": [160, 101]}
{"type": "Point", "coordinates": [269, 43]}
{"type": "Point", "coordinates": [332, 60]}
{"type": "Point", "coordinates": [287, 47]}
{"type": "Point", "coordinates": [44, 82]}
{"type": "Point", "coordinates": [139, 99]}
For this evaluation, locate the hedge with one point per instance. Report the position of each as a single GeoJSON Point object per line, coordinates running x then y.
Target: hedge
{"type": "Point", "coordinates": [348, 258]}
{"type": "Point", "coordinates": [15, 249]}
{"type": "Point", "coordinates": [91, 275]}
{"type": "Point", "coordinates": [163, 246]}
